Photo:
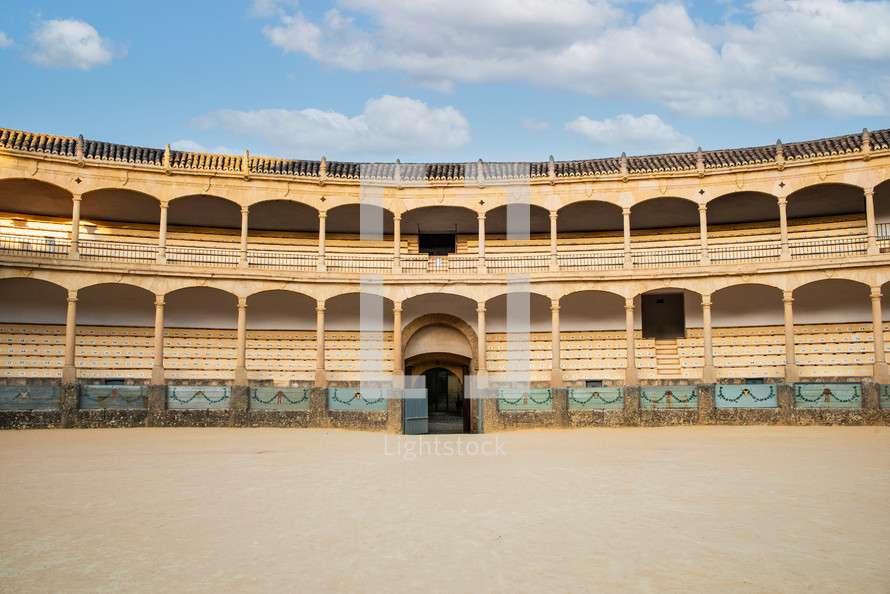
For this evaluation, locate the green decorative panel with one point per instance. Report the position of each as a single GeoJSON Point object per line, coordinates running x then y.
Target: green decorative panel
{"type": "Point", "coordinates": [279, 398]}
{"type": "Point", "coordinates": [668, 397]}
{"type": "Point", "coordinates": [198, 397]}
{"type": "Point", "coordinates": [357, 398]}
{"type": "Point", "coordinates": [885, 396]}
{"type": "Point", "coordinates": [746, 396]}
{"type": "Point", "coordinates": [519, 399]}
{"type": "Point", "coordinates": [30, 397]}
{"type": "Point", "coordinates": [827, 396]}
{"type": "Point", "coordinates": [114, 397]}
{"type": "Point", "coordinates": [596, 398]}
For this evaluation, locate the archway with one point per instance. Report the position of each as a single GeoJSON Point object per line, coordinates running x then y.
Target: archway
{"type": "Point", "coordinates": [439, 348]}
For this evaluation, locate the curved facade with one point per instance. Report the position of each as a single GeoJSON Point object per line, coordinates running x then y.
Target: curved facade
{"type": "Point", "coordinates": [717, 268]}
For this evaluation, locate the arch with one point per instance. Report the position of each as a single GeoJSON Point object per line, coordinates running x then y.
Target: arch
{"type": "Point", "coordinates": [278, 309]}
{"type": "Point", "coordinates": [32, 301]}
{"type": "Point", "coordinates": [882, 208]}
{"type": "Point", "coordinates": [591, 310]}
{"type": "Point", "coordinates": [440, 219]}
{"type": "Point", "coordinates": [33, 197]}
{"type": "Point", "coordinates": [204, 210]}
{"type": "Point", "coordinates": [664, 213]}
{"type": "Point", "coordinates": [120, 205]}
{"type": "Point", "coordinates": [115, 304]}
{"type": "Point", "coordinates": [444, 320]}
{"type": "Point", "coordinates": [752, 304]}
{"type": "Point", "coordinates": [832, 300]}
{"type": "Point", "coordinates": [350, 218]}
{"type": "Point", "coordinates": [283, 215]}
{"type": "Point", "coordinates": [589, 215]}
{"type": "Point", "coordinates": [742, 207]}
{"type": "Point", "coordinates": [821, 200]}
{"type": "Point", "coordinates": [539, 319]}
{"type": "Point", "coordinates": [200, 307]}
{"type": "Point", "coordinates": [345, 311]}
{"type": "Point", "coordinates": [443, 303]}
{"type": "Point", "coordinates": [497, 218]}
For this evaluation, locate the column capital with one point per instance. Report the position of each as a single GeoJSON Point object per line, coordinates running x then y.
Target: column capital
{"type": "Point", "coordinates": [625, 210]}
{"type": "Point", "coordinates": [242, 303]}
{"type": "Point", "coordinates": [553, 215]}
{"type": "Point", "coordinates": [397, 216]}
{"type": "Point", "coordinates": [629, 303]}
{"type": "Point", "coordinates": [159, 301]}
{"type": "Point", "coordinates": [244, 210]}
{"type": "Point", "coordinates": [702, 208]}
{"type": "Point", "coordinates": [319, 307]}
{"type": "Point", "coordinates": [869, 192]}
{"type": "Point", "coordinates": [706, 301]}
{"type": "Point", "coordinates": [783, 201]}
{"type": "Point", "coordinates": [876, 294]}
{"type": "Point", "coordinates": [322, 214]}
{"type": "Point", "coordinates": [397, 308]}
{"type": "Point", "coordinates": [554, 305]}
{"type": "Point", "coordinates": [164, 204]}
{"type": "Point", "coordinates": [787, 296]}
{"type": "Point", "coordinates": [76, 197]}
{"type": "Point", "coordinates": [480, 216]}
{"type": "Point", "coordinates": [480, 308]}
{"type": "Point", "coordinates": [72, 296]}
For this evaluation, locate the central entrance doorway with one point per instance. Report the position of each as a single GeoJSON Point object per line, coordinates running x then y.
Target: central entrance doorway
{"type": "Point", "coordinates": [445, 401]}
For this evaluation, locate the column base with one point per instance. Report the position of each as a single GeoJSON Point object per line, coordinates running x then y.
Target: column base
{"type": "Point", "coordinates": [709, 374]}
{"type": "Point", "coordinates": [69, 374]}
{"type": "Point", "coordinates": [630, 376]}
{"type": "Point", "coordinates": [556, 378]}
{"type": "Point", "coordinates": [882, 373]}
{"type": "Point", "coordinates": [321, 378]}
{"type": "Point", "coordinates": [241, 376]}
{"type": "Point", "coordinates": [791, 374]}
{"type": "Point", "coordinates": [157, 375]}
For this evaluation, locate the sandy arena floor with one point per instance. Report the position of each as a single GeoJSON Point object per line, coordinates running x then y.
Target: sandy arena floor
{"type": "Point", "coordinates": [701, 508]}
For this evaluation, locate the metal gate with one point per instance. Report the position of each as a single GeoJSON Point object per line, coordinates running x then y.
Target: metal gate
{"type": "Point", "coordinates": [416, 411]}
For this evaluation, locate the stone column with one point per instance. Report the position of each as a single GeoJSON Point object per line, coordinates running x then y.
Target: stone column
{"type": "Point", "coordinates": [157, 368]}
{"type": "Point", "coordinates": [783, 223]}
{"type": "Point", "coordinates": [241, 352]}
{"type": "Point", "coordinates": [482, 363]}
{"type": "Point", "coordinates": [870, 221]}
{"type": "Point", "coordinates": [397, 243]}
{"type": "Point", "coordinates": [243, 262]}
{"type": "Point", "coordinates": [398, 366]}
{"type": "Point", "coordinates": [703, 226]}
{"type": "Point", "coordinates": [628, 259]}
{"type": "Point", "coordinates": [556, 357]}
{"type": "Point", "coordinates": [881, 374]}
{"type": "Point", "coordinates": [709, 374]}
{"type": "Point", "coordinates": [791, 374]}
{"type": "Point", "coordinates": [162, 234]}
{"type": "Point", "coordinates": [322, 216]}
{"type": "Point", "coordinates": [554, 259]}
{"type": "Point", "coordinates": [74, 250]}
{"type": "Point", "coordinates": [321, 377]}
{"type": "Point", "coordinates": [481, 218]}
{"type": "Point", "coordinates": [69, 376]}
{"type": "Point", "coordinates": [630, 373]}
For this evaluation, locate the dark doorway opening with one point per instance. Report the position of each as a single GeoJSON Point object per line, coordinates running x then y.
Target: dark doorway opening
{"type": "Point", "coordinates": [445, 401]}
{"type": "Point", "coordinates": [664, 316]}
{"type": "Point", "coordinates": [436, 244]}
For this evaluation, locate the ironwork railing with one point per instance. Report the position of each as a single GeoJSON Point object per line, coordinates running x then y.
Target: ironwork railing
{"type": "Point", "coordinates": [592, 261]}
{"type": "Point", "coordinates": [107, 251]}
{"type": "Point", "coordinates": [366, 264]}
{"type": "Point", "coordinates": [668, 257]}
{"type": "Point", "coordinates": [827, 248]}
{"type": "Point", "coordinates": [22, 245]}
{"type": "Point", "coordinates": [761, 252]}
{"type": "Point", "coordinates": [205, 256]}
{"type": "Point", "coordinates": [506, 264]}
{"type": "Point", "coordinates": [450, 263]}
{"type": "Point", "coordinates": [282, 260]}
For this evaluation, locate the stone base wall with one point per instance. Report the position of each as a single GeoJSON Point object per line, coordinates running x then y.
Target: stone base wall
{"type": "Point", "coordinates": [239, 414]}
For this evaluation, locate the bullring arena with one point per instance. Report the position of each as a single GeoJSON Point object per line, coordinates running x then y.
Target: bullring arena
{"type": "Point", "coordinates": [738, 296]}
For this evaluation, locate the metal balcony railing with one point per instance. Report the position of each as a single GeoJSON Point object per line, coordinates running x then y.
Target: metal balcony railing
{"type": "Point", "coordinates": [21, 245]}
{"type": "Point", "coordinates": [203, 256]}
{"type": "Point", "coordinates": [109, 251]}
{"type": "Point", "coordinates": [594, 261]}
{"type": "Point", "coordinates": [281, 260]}
{"type": "Point", "coordinates": [829, 248]}
{"type": "Point", "coordinates": [760, 252]}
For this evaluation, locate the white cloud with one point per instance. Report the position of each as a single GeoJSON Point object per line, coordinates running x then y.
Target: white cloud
{"type": "Point", "coordinates": [786, 53]}
{"type": "Point", "coordinates": [190, 146]}
{"type": "Point", "coordinates": [71, 43]}
{"type": "Point", "coordinates": [388, 127]}
{"type": "Point", "coordinates": [646, 133]}
{"type": "Point", "coordinates": [535, 124]}
{"type": "Point", "coordinates": [5, 41]}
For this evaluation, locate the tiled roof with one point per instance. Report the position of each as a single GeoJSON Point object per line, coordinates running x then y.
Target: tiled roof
{"type": "Point", "coordinates": [477, 172]}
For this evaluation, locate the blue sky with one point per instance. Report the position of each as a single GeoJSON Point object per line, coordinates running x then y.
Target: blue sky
{"type": "Point", "coordinates": [445, 80]}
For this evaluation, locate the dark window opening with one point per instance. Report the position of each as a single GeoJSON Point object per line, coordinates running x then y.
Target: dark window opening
{"type": "Point", "coordinates": [593, 383]}
{"type": "Point", "coordinates": [436, 244]}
